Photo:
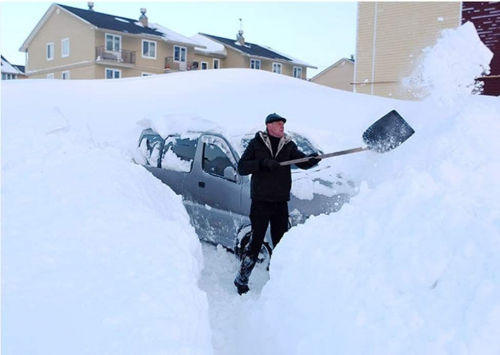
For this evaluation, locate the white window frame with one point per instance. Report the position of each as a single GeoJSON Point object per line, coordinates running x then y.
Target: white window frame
{"type": "Point", "coordinates": [297, 70]}
{"type": "Point", "coordinates": [50, 76]}
{"type": "Point", "coordinates": [180, 54]}
{"type": "Point", "coordinates": [146, 74]}
{"type": "Point", "coordinates": [106, 43]}
{"type": "Point", "coordinates": [63, 41]}
{"type": "Point", "coordinates": [51, 46]}
{"type": "Point", "coordinates": [218, 63]}
{"type": "Point", "coordinates": [114, 70]}
{"type": "Point", "coordinates": [254, 63]}
{"type": "Point", "coordinates": [201, 65]}
{"type": "Point", "coordinates": [149, 49]}
{"type": "Point", "coordinates": [65, 72]}
{"type": "Point", "coordinates": [277, 68]}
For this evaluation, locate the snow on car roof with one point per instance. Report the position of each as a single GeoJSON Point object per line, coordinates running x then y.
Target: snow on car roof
{"type": "Point", "coordinates": [183, 124]}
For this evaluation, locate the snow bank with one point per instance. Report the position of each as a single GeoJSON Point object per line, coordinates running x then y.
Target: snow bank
{"type": "Point", "coordinates": [408, 267]}
{"type": "Point", "coordinates": [411, 265]}
{"type": "Point", "coordinates": [97, 255]}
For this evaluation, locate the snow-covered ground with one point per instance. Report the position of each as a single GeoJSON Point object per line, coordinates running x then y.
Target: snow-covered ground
{"type": "Point", "coordinates": [227, 308]}
{"type": "Point", "coordinates": [98, 257]}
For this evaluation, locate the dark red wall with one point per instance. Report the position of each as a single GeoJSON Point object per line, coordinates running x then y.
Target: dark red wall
{"type": "Point", "coordinates": [486, 17]}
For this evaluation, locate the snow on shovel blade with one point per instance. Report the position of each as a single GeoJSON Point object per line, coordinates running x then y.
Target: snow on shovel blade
{"type": "Point", "coordinates": [387, 133]}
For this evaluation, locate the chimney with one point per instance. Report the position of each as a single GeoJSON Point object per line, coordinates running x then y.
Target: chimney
{"type": "Point", "coordinates": [239, 38]}
{"type": "Point", "coordinates": [91, 6]}
{"type": "Point", "coordinates": [143, 19]}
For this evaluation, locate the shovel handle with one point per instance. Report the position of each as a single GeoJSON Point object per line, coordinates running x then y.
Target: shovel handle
{"type": "Point", "coordinates": [323, 156]}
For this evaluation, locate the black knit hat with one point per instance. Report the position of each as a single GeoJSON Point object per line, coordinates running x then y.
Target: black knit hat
{"type": "Point", "coordinates": [274, 117]}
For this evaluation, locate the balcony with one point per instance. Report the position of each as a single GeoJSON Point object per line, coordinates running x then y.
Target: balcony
{"type": "Point", "coordinates": [171, 65]}
{"type": "Point", "coordinates": [122, 58]}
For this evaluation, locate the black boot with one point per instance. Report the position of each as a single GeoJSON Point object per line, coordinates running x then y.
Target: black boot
{"type": "Point", "coordinates": [242, 289]}
{"type": "Point", "coordinates": [241, 280]}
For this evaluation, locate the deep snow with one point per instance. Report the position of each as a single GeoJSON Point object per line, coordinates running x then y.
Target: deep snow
{"type": "Point", "coordinates": [98, 256]}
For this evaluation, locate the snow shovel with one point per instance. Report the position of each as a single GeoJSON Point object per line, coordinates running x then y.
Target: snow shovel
{"type": "Point", "coordinates": [387, 133]}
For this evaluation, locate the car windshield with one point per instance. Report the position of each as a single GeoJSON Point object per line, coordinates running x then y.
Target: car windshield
{"type": "Point", "coordinates": [302, 143]}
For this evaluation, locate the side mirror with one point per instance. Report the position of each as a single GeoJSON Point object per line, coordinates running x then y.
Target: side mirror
{"type": "Point", "coordinates": [230, 173]}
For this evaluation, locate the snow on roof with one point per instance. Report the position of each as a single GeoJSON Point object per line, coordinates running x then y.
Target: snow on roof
{"type": "Point", "coordinates": [249, 49]}
{"type": "Point", "coordinates": [294, 60]}
{"type": "Point", "coordinates": [172, 36]}
{"type": "Point", "coordinates": [7, 68]}
{"type": "Point", "coordinates": [110, 22]}
{"type": "Point", "coordinates": [211, 46]}
{"type": "Point", "coordinates": [122, 20]}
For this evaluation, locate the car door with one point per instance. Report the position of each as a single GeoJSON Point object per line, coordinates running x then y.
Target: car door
{"type": "Point", "coordinates": [215, 190]}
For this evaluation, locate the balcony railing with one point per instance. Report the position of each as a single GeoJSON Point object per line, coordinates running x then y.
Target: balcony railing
{"type": "Point", "coordinates": [170, 64]}
{"type": "Point", "coordinates": [123, 56]}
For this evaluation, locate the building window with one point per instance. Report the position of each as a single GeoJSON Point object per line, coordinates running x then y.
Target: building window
{"type": "Point", "coordinates": [50, 51]}
{"type": "Point", "coordinates": [50, 76]}
{"type": "Point", "coordinates": [277, 68]}
{"type": "Point", "coordinates": [297, 72]}
{"type": "Point", "coordinates": [113, 43]}
{"type": "Point", "coordinates": [180, 54]}
{"type": "Point", "coordinates": [65, 48]}
{"type": "Point", "coordinates": [65, 75]}
{"type": "Point", "coordinates": [216, 64]}
{"type": "Point", "coordinates": [204, 65]}
{"type": "Point", "coordinates": [113, 73]}
{"type": "Point", "coordinates": [254, 63]}
{"type": "Point", "coordinates": [9, 76]}
{"type": "Point", "coordinates": [148, 49]}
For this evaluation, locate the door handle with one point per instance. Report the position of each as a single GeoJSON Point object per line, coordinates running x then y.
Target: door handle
{"type": "Point", "coordinates": [201, 184]}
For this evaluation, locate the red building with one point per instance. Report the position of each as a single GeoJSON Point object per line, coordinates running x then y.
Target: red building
{"type": "Point", "coordinates": [486, 17]}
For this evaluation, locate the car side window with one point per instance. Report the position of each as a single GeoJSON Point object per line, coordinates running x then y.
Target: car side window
{"type": "Point", "coordinates": [150, 149]}
{"type": "Point", "coordinates": [179, 153]}
{"type": "Point", "coordinates": [215, 161]}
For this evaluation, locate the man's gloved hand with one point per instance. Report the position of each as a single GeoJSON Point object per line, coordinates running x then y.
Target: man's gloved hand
{"type": "Point", "coordinates": [270, 164]}
{"type": "Point", "coordinates": [313, 161]}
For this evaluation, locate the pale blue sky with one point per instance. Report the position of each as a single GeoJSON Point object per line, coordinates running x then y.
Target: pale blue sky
{"type": "Point", "coordinates": [319, 33]}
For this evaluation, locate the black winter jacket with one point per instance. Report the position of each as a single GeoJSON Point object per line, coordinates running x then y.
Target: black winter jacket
{"type": "Point", "coordinates": [268, 186]}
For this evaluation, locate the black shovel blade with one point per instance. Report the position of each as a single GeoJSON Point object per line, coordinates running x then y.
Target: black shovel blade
{"type": "Point", "coordinates": [387, 133]}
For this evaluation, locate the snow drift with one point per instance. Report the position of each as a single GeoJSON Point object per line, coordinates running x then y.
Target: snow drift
{"type": "Point", "coordinates": [410, 266]}
{"type": "Point", "coordinates": [99, 257]}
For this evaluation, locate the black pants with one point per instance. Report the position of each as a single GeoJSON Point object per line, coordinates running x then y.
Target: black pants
{"type": "Point", "coordinates": [261, 215]}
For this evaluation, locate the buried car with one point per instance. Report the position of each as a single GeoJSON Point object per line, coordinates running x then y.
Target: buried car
{"type": "Point", "coordinates": [202, 167]}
